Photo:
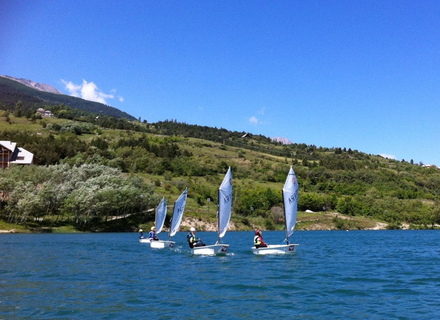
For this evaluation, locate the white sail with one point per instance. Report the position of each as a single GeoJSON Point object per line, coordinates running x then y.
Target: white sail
{"type": "Point", "coordinates": [161, 213]}
{"type": "Point", "coordinates": [179, 208]}
{"type": "Point", "coordinates": [224, 204]}
{"type": "Point", "coordinates": [290, 199]}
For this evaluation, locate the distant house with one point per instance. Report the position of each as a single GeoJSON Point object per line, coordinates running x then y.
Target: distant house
{"type": "Point", "coordinates": [45, 113]}
{"type": "Point", "coordinates": [430, 166]}
{"type": "Point", "coordinates": [11, 154]}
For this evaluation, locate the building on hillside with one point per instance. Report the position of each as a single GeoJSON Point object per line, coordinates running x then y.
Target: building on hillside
{"type": "Point", "coordinates": [430, 166]}
{"type": "Point", "coordinates": [247, 135]}
{"type": "Point", "coordinates": [45, 113]}
{"type": "Point", "coordinates": [11, 154]}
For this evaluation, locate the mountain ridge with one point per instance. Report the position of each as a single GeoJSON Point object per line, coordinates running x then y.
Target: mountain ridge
{"type": "Point", "coordinates": [282, 140]}
{"type": "Point", "coordinates": [36, 85]}
{"type": "Point", "coordinates": [12, 91]}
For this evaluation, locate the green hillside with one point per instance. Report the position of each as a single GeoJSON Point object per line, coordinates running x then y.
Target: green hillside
{"type": "Point", "coordinates": [12, 91]}
{"type": "Point", "coordinates": [93, 178]}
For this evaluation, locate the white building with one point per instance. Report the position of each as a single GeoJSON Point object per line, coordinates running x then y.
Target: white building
{"type": "Point", "coordinates": [45, 113]}
{"type": "Point", "coordinates": [11, 154]}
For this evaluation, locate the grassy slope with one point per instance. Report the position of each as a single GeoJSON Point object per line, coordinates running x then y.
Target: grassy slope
{"type": "Point", "coordinates": [207, 149]}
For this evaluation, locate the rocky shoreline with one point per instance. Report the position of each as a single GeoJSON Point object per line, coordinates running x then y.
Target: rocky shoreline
{"type": "Point", "coordinates": [8, 231]}
{"type": "Point", "coordinates": [322, 223]}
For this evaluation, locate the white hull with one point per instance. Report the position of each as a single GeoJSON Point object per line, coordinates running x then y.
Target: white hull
{"type": "Point", "coordinates": [144, 240]}
{"type": "Point", "coordinates": [276, 249]}
{"type": "Point", "coordinates": [211, 250]}
{"type": "Point", "coordinates": [162, 244]}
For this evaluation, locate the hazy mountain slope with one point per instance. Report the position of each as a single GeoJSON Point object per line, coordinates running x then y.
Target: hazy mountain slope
{"type": "Point", "coordinates": [282, 140]}
{"type": "Point", "coordinates": [13, 91]}
{"type": "Point", "coordinates": [36, 85]}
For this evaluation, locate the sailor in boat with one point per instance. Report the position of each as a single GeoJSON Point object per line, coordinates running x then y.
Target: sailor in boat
{"type": "Point", "coordinates": [141, 234]}
{"type": "Point", "coordinates": [193, 241]}
{"type": "Point", "coordinates": [153, 235]}
{"type": "Point", "coordinates": [258, 239]}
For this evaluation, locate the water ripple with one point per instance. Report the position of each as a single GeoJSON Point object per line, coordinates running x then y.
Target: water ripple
{"type": "Point", "coordinates": [353, 275]}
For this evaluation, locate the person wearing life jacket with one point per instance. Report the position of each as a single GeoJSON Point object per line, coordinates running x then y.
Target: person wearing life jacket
{"type": "Point", "coordinates": [153, 235]}
{"type": "Point", "coordinates": [258, 239]}
{"type": "Point", "coordinates": [193, 241]}
{"type": "Point", "coordinates": [141, 234]}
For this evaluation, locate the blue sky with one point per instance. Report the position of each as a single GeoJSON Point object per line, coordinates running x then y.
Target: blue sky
{"type": "Point", "coordinates": [358, 74]}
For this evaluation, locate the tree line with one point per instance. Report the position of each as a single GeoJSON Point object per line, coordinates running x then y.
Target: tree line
{"type": "Point", "coordinates": [84, 196]}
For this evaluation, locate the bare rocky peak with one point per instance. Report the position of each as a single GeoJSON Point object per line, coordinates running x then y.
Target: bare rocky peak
{"type": "Point", "coordinates": [35, 85]}
{"type": "Point", "coordinates": [282, 140]}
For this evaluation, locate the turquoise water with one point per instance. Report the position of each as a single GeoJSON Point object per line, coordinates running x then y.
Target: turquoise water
{"type": "Point", "coordinates": [334, 275]}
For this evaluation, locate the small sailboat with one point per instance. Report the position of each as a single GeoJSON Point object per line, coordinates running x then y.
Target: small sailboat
{"type": "Point", "coordinates": [161, 213]}
{"type": "Point", "coordinates": [223, 217]}
{"type": "Point", "coordinates": [290, 201]}
{"type": "Point", "coordinates": [178, 210]}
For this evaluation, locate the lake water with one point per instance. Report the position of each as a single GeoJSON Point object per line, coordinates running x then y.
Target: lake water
{"type": "Point", "coordinates": [334, 275]}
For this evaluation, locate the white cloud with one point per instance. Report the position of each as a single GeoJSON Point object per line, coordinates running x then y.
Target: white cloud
{"type": "Point", "coordinates": [388, 156]}
{"type": "Point", "coordinates": [72, 88]}
{"type": "Point", "coordinates": [253, 120]}
{"type": "Point", "coordinates": [89, 91]}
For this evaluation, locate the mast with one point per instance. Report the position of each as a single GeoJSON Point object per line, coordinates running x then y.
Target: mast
{"type": "Point", "coordinates": [285, 219]}
{"type": "Point", "coordinates": [178, 210]}
{"type": "Point", "coordinates": [161, 213]}
{"type": "Point", "coordinates": [224, 204]}
{"type": "Point", "coordinates": [171, 222]}
{"type": "Point", "coordinates": [155, 216]}
{"type": "Point", "coordinates": [290, 202]}
{"type": "Point", "coordinates": [218, 218]}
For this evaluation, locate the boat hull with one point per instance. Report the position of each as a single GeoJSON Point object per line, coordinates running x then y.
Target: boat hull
{"type": "Point", "coordinates": [144, 240]}
{"type": "Point", "coordinates": [216, 249]}
{"type": "Point", "coordinates": [276, 249]}
{"type": "Point", "coordinates": [162, 244]}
